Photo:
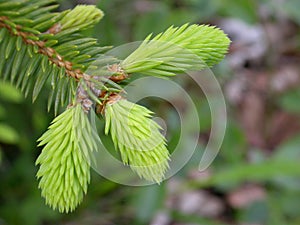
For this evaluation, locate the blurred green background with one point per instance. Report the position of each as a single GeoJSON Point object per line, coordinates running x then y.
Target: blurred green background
{"type": "Point", "coordinates": [255, 178]}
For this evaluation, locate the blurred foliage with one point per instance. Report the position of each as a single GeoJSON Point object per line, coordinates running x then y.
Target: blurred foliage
{"type": "Point", "coordinates": [276, 170]}
{"type": "Point", "coordinates": [289, 101]}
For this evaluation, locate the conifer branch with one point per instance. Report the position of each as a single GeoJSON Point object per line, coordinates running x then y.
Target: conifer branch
{"type": "Point", "coordinates": [37, 45]}
{"type": "Point", "coordinates": [48, 43]}
{"type": "Point", "coordinates": [177, 50]}
{"type": "Point", "coordinates": [32, 39]}
{"type": "Point", "coordinates": [137, 137]}
{"type": "Point", "coordinates": [53, 56]}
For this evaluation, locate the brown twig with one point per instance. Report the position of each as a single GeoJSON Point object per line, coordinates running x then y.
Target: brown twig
{"type": "Point", "coordinates": [53, 56]}
{"type": "Point", "coordinates": [59, 61]}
